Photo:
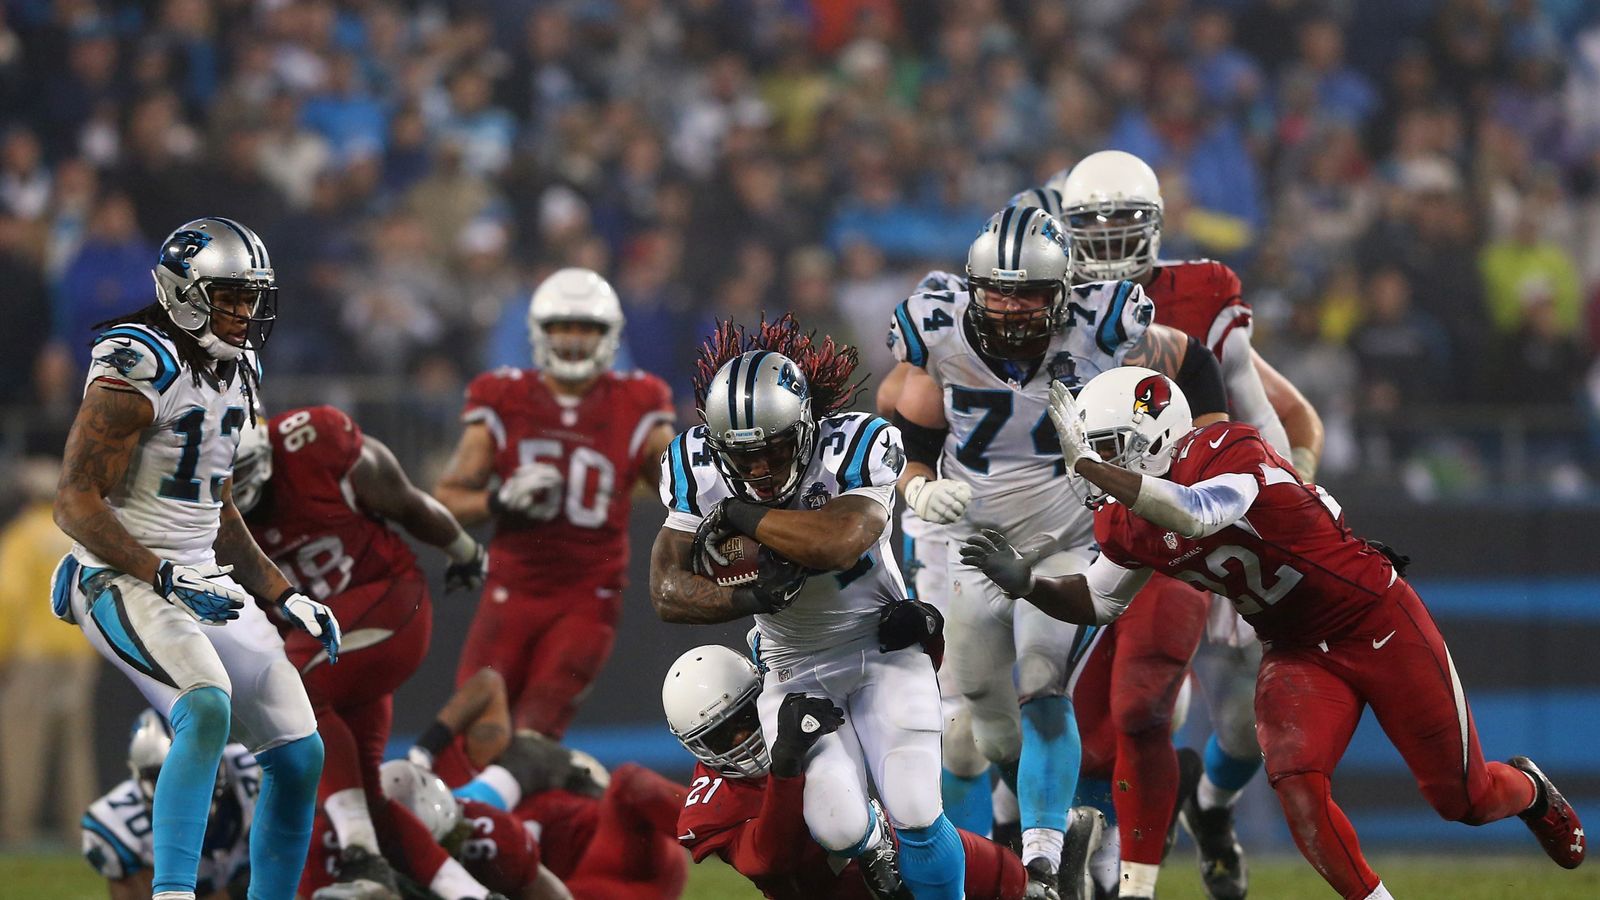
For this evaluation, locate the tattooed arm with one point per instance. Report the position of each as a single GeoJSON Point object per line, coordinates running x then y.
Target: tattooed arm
{"type": "Point", "coordinates": [235, 547]}
{"type": "Point", "coordinates": [1189, 364]}
{"type": "Point", "coordinates": [102, 442]}
{"type": "Point", "coordinates": [1160, 348]}
{"type": "Point", "coordinates": [678, 594]}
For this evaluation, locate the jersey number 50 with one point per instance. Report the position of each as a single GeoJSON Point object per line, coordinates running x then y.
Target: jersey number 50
{"type": "Point", "coordinates": [584, 505]}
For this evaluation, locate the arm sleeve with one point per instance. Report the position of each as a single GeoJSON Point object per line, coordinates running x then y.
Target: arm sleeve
{"type": "Point", "coordinates": [1198, 510]}
{"type": "Point", "coordinates": [1113, 587]}
{"type": "Point", "coordinates": [1247, 396]}
{"type": "Point", "coordinates": [1200, 378]}
{"type": "Point", "coordinates": [923, 444]}
{"type": "Point", "coordinates": [765, 846]}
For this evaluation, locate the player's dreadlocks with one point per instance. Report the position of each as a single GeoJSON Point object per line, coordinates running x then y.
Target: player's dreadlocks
{"type": "Point", "coordinates": [190, 352]}
{"type": "Point", "coordinates": [827, 365]}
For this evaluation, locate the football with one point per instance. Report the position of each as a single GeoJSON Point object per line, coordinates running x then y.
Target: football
{"type": "Point", "coordinates": [744, 564]}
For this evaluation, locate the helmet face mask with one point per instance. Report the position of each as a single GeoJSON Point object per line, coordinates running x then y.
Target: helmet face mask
{"type": "Point", "coordinates": [765, 471]}
{"type": "Point", "coordinates": [759, 426]}
{"type": "Point", "coordinates": [710, 700]}
{"type": "Point", "coordinates": [1017, 271]}
{"type": "Point", "coordinates": [216, 282]}
{"type": "Point", "coordinates": [1114, 242]}
{"type": "Point", "coordinates": [1015, 321]}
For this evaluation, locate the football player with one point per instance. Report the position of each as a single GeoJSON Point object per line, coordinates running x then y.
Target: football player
{"type": "Point", "coordinates": [319, 497]}
{"type": "Point", "coordinates": [779, 461]}
{"type": "Point", "coordinates": [164, 574]}
{"type": "Point", "coordinates": [982, 454]}
{"type": "Point", "coordinates": [119, 842]}
{"type": "Point", "coordinates": [745, 803]}
{"type": "Point", "coordinates": [1341, 629]}
{"type": "Point", "coordinates": [1112, 207]}
{"type": "Point", "coordinates": [568, 441]}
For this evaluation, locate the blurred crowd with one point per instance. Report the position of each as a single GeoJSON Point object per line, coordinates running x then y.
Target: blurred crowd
{"type": "Point", "coordinates": [1410, 189]}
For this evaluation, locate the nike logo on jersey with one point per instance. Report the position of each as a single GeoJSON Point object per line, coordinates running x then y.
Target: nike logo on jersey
{"type": "Point", "coordinates": [687, 835]}
{"type": "Point", "coordinates": [1218, 442]}
{"type": "Point", "coordinates": [1378, 645]}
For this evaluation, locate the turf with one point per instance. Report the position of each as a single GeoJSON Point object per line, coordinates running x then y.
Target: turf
{"type": "Point", "coordinates": [1409, 878]}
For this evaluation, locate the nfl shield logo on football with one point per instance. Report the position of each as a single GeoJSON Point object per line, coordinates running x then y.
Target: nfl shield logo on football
{"type": "Point", "coordinates": [1171, 540]}
{"type": "Point", "coordinates": [816, 496]}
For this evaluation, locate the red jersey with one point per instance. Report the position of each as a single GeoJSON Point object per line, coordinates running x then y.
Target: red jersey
{"type": "Point", "coordinates": [501, 853]}
{"type": "Point", "coordinates": [308, 521]}
{"type": "Point", "coordinates": [564, 824]}
{"type": "Point", "coordinates": [1201, 298]}
{"type": "Point", "coordinates": [1291, 566]}
{"type": "Point", "coordinates": [577, 537]}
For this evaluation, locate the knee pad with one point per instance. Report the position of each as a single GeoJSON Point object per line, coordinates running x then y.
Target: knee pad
{"type": "Point", "coordinates": [961, 754]}
{"type": "Point", "coordinates": [297, 765]}
{"type": "Point", "coordinates": [206, 713]}
{"type": "Point", "coordinates": [1039, 675]}
{"type": "Point", "coordinates": [999, 742]}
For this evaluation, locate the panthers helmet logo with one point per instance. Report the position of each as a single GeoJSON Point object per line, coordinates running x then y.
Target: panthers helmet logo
{"type": "Point", "coordinates": [181, 248]}
{"type": "Point", "coordinates": [1152, 395]}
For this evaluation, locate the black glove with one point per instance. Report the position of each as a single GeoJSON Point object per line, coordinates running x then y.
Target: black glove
{"type": "Point", "coordinates": [802, 721]}
{"type": "Point", "coordinates": [778, 582]}
{"type": "Point", "coordinates": [912, 622]}
{"type": "Point", "coordinates": [1008, 567]}
{"type": "Point", "coordinates": [1397, 559]}
{"type": "Point", "coordinates": [469, 575]}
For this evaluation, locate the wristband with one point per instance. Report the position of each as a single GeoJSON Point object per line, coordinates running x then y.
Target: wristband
{"type": "Point", "coordinates": [744, 516]}
{"type": "Point", "coordinates": [497, 507]}
{"type": "Point", "coordinates": [435, 738]}
{"type": "Point", "coordinates": [288, 592]}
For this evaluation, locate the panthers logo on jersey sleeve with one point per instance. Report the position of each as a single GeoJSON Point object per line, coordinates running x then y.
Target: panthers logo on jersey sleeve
{"type": "Point", "coordinates": [137, 357]}
{"type": "Point", "coordinates": [928, 318]}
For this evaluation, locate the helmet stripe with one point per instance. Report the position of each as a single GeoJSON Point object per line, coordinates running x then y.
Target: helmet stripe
{"type": "Point", "coordinates": [1000, 241]}
{"type": "Point", "coordinates": [1016, 239]}
{"type": "Point", "coordinates": [733, 392]}
{"type": "Point", "coordinates": [255, 259]}
{"type": "Point", "coordinates": [750, 388]}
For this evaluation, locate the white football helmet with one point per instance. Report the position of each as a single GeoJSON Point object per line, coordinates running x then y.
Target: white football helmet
{"type": "Point", "coordinates": [574, 295]}
{"type": "Point", "coordinates": [422, 792]}
{"type": "Point", "coordinates": [1134, 417]}
{"type": "Point", "coordinates": [710, 700]}
{"type": "Point", "coordinates": [216, 252]}
{"type": "Point", "coordinates": [1113, 208]}
{"type": "Point", "coordinates": [147, 751]}
{"type": "Point", "coordinates": [596, 769]}
{"type": "Point", "coordinates": [252, 465]}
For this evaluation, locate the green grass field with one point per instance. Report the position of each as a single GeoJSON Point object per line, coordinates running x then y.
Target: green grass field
{"type": "Point", "coordinates": [1409, 878]}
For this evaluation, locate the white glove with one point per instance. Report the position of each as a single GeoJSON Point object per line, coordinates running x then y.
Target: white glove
{"type": "Point", "coordinates": [315, 619]}
{"type": "Point", "coordinates": [940, 502]}
{"type": "Point", "coordinates": [200, 591]}
{"type": "Point", "coordinates": [533, 491]}
{"type": "Point", "coordinates": [1068, 420]}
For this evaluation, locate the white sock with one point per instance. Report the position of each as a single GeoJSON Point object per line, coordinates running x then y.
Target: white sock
{"type": "Point", "coordinates": [453, 883]}
{"type": "Point", "coordinates": [1004, 803]}
{"type": "Point", "coordinates": [1105, 864]}
{"type": "Point", "coordinates": [1213, 797]}
{"type": "Point", "coordinates": [1380, 893]}
{"type": "Point", "coordinates": [502, 782]}
{"type": "Point", "coordinates": [1042, 843]}
{"type": "Point", "coordinates": [352, 822]}
{"type": "Point", "coordinates": [1537, 794]}
{"type": "Point", "coordinates": [174, 895]}
{"type": "Point", "coordinates": [1139, 879]}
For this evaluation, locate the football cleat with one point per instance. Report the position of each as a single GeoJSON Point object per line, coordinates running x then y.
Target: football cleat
{"type": "Point", "coordinates": [880, 865]}
{"type": "Point", "coordinates": [1042, 882]}
{"type": "Point", "coordinates": [1084, 827]}
{"type": "Point", "coordinates": [1552, 819]}
{"type": "Point", "coordinates": [1223, 870]}
{"type": "Point", "coordinates": [363, 875]}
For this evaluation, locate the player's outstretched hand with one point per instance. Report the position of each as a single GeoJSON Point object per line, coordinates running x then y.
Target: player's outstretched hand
{"type": "Point", "coordinates": [940, 501]}
{"type": "Point", "coordinates": [912, 622]}
{"type": "Point", "coordinates": [467, 574]}
{"type": "Point", "coordinates": [1068, 420]}
{"type": "Point", "coordinates": [532, 491]}
{"type": "Point", "coordinates": [708, 537]}
{"type": "Point", "coordinates": [200, 591]}
{"type": "Point", "coordinates": [802, 721]}
{"type": "Point", "coordinates": [990, 552]}
{"type": "Point", "coordinates": [314, 618]}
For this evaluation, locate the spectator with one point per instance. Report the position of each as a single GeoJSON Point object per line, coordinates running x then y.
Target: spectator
{"type": "Point", "coordinates": [109, 276]}
{"type": "Point", "coordinates": [24, 179]}
{"type": "Point", "coordinates": [1522, 272]}
{"type": "Point", "coordinates": [483, 132]}
{"type": "Point", "coordinates": [1343, 94]}
{"type": "Point", "coordinates": [27, 306]}
{"type": "Point", "coordinates": [346, 115]}
{"type": "Point", "coordinates": [1403, 355]}
{"type": "Point", "coordinates": [47, 675]}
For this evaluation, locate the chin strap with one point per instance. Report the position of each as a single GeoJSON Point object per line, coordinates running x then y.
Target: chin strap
{"type": "Point", "coordinates": [216, 347]}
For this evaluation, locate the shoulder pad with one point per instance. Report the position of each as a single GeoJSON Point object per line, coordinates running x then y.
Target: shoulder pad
{"type": "Point", "coordinates": [1120, 310]}
{"type": "Point", "coordinates": [107, 853]}
{"type": "Point", "coordinates": [864, 450]}
{"type": "Point", "coordinates": [926, 319]}
{"type": "Point", "coordinates": [135, 353]}
{"type": "Point", "coordinates": [690, 482]}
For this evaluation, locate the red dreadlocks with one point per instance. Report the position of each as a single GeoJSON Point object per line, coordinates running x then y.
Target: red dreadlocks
{"type": "Point", "coordinates": [827, 366]}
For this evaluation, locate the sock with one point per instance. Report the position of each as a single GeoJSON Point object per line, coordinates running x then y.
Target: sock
{"type": "Point", "coordinates": [1226, 774]}
{"type": "Point", "coordinates": [1003, 802]}
{"type": "Point", "coordinates": [200, 721]}
{"type": "Point", "coordinates": [1047, 775]}
{"type": "Point", "coordinates": [174, 895]}
{"type": "Point", "coordinates": [932, 863]}
{"type": "Point", "coordinates": [1146, 780]}
{"type": "Point", "coordinates": [967, 802]}
{"type": "Point", "coordinates": [453, 883]}
{"type": "Point", "coordinates": [1042, 843]}
{"type": "Point", "coordinates": [1380, 893]}
{"type": "Point", "coordinates": [1096, 792]}
{"type": "Point", "coordinates": [1105, 864]}
{"type": "Point", "coordinates": [1325, 837]}
{"type": "Point", "coordinates": [1212, 797]}
{"type": "Point", "coordinates": [400, 829]}
{"type": "Point", "coordinates": [494, 786]}
{"type": "Point", "coordinates": [1510, 792]}
{"type": "Point", "coordinates": [1139, 879]}
{"type": "Point", "coordinates": [281, 832]}
{"type": "Point", "coordinates": [352, 822]}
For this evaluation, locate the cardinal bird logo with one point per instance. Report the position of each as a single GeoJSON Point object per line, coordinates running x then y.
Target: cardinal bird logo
{"type": "Point", "coordinates": [1152, 395]}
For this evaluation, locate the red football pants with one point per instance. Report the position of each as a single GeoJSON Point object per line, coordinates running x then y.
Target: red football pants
{"type": "Point", "coordinates": [1124, 701]}
{"type": "Point", "coordinates": [634, 854]}
{"type": "Point", "coordinates": [548, 648]}
{"type": "Point", "coordinates": [1309, 699]}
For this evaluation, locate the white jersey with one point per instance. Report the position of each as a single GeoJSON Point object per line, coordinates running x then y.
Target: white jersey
{"type": "Point", "coordinates": [1001, 441]}
{"type": "Point", "coordinates": [856, 454]}
{"type": "Point", "coordinates": [171, 497]}
{"type": "Point", "coordinates": [119, 840]}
